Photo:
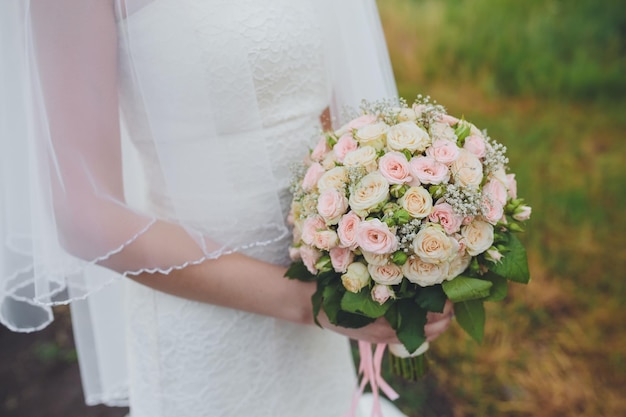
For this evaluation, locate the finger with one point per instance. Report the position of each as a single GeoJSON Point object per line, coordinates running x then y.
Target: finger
{"type": "Point", "coordinates": [435, 329]}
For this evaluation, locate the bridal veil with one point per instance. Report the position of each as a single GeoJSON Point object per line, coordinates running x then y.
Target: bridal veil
{"type": "Point", "coordinates": [71, 223]}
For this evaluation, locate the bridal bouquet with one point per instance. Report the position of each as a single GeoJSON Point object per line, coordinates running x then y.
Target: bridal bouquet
{"type": "Point", "coordinates": [401, 209]}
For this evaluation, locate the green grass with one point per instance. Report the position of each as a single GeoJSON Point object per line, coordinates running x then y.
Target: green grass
{"type": "Point", "coordinates": [545, 78]}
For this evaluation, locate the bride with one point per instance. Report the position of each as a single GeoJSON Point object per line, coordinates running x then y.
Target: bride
{"type": "Point", "coordinates": [151, 140]}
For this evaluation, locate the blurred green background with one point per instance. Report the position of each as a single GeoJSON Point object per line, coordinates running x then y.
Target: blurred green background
{"type": "Point", "coordinates": [548, 79]}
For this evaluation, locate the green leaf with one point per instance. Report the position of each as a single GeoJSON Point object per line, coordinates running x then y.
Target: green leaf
{"type": "Point", "coordinates": [331, 303]}
{"type": "Point", "coordinates": [464, 288]}
{"type": "Point", "coordinates": [316, 301]}
{"type": "Point", "coordinates": [431, 298]}
{"type": "Point", "coordinates": [411, 321]}
{"type": "Point", "coordinates": [514, 264]}
{"type": "Point", "coordinates": [362, 303]}
{"type": "Point", "coordinates": [392, 316]}
{"type": "Point", "coordinates": [353, 321]}
{"type": "Point", "coordinates": [298, 271]}
{"type": "Point", "coordinates": [471, 317]}
{"type": "Point", "coordinates": [499, 289]}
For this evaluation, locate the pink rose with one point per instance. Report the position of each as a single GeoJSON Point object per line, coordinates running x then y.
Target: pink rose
{"type": "Point", "coordinates": [320, 150]}
{"type": "Point", "coordinates": [443, 151]}
{"type": "Point", "coordinates": [344, 145]}
{"type": "Point", "coordinates": [395, 168]}
{"type": "Point", "coordinates": [310, 256]}
{"type": "Point", "coordinates": [444, 214]}
{"type": "Point", "coordinates": [476, 145]}
{"type": "Point", "coordinates": [310, 227]}
{"type": "Point", "coordinates": [496, 191]}
{"type": "Point", "coordinates": [340, 258]}
{"type": "Point", "coordinates": [492, 210]}
{"type": "Point", "coordinates": [381, 293]}
{"type": "Point", "coordinates": [346, 230]}
{"type": "Point", "coordinates": [331, 204]}
{"type": "Point", "coordinates": [359, 122]}
{"type": "Point", "coordinates": [511, 185]}
{"type": "Point", "coordinates": [522, 213]}
{"type": "Point", "coordinates": [374, 236]}
{"type": "Point", "coordinates": [325, 239]}
{"type": "Point", "coordinates": [451, 120]}
{"type": "Point", "coordinates": [313, 174]}
{"type": "Point", "coordinates": [429, 171]}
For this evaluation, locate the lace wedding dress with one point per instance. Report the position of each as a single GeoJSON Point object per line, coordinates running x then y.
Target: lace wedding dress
{"type": "Point", "coordinates": [192, 359]}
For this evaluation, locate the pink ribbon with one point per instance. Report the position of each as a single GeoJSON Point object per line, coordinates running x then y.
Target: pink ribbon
{"type": "Point", "coordinates": [370, 369]}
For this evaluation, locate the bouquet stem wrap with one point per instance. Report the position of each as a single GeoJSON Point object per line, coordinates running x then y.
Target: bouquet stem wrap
{"type": "Point", "coordinates": [410, 366]}
{"type": "Point", "coordinates": [370, 371]}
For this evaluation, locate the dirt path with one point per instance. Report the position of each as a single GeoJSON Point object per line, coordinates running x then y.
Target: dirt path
{"type": "Point", "coordinates": [39, 374]}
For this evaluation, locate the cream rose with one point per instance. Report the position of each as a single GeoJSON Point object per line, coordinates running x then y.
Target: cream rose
{"type": "Point", "coordinates": [433, 245]}
{"type": "Point", "coordinates": [356, 277]}
{"type": "Point", "coordinates": [407, 135]}
{"type": "Point", "coordinates": [389, 274]}
{"type": "Point", "coordinates": [467, 170]}
{"type": "Point", "coordinates": [370, 191]}
{"type": "Point", "coordinates": [375, 258]}
{"type": "Point", "coordinates": [407, 115]}
{"type": "Point", "coordinates": [372, 135]}
{"type": "Point", "coordinates": [458, 265]}
{"type": "Point", "coordinates": [325, 239]}
{"type": "Point", "coordinates": [395, 168]}
{"type": "Point", "coordinates": [423, 273]}
{"type": "Point", "coordinates": [331, 205]}
{"type": "Point", "coordinates": [477, 237]}
{"type": "Point", "coordinates": [365, 157]}
{"type": "Point", "coordinates": [335, 178]}
{"type": "Point", "coordinates": [374, 236]}
{"type": "Point", "coordinates": [440, 130]}
{"type": "Point", "coordinates": [417, 201]}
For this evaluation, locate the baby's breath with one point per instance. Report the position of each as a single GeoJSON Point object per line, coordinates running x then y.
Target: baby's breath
{"type": "Point", "coordinates": [431, 111]}
{"type": "Point", "coordinates": [406, 234]}
{"type": "Point", "coordinates": [495, 157]}
{"type": "Point", "coordinates": [298, 170]}
{"type": "Point", "coordinates": [464, 200]}
{"type": "Point", "coordinates": [355, 174]}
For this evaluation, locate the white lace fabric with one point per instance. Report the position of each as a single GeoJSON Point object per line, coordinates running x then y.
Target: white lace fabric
{"type": "Point", "coordinates": [217, 98]}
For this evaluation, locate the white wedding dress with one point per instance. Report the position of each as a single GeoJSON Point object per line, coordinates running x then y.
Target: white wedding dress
{"type": "Point", "coordinates": [189, 359]}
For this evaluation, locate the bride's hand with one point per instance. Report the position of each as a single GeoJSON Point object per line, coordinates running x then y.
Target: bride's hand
{"type": "Point", "coordinates": [380, 331]}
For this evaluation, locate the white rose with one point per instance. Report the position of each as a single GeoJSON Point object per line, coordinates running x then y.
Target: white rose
{"type": "Point", "coordinates": [370, 191]}
{"type": "Point", "coordinates": [372, 135]}
{"type": "Point", "coordinates": [467, 170]}
{"type": "Point", "coordinates": [440, 130]}
{"type": "Point", "coordinates": [458, 265]}
{"type": "Point", "coordinates": [375, 259]}
{"type": "Point", "coordinates": [389, 274]}
{"type": "Point", "coordinates": [417, 201]}
{"type": "Point", "coordinates": [423, 273]}
{"type": "Point", "coordinates": [356, 277]}
{"type": "Point", "coordinates": [433, 245]}
{"type": "Point", "coordinates": [407, 115]}
{"type": "Point", "coordinates": [407, 135]}
{"type": "Point", "coordinates": [325, 239]}
{"type": "Point", "coordinates": [477, 237]}
{"type": "Point", "coordinates": [365, 157]}
{"type": "Point", "coordinates": [336, 178]}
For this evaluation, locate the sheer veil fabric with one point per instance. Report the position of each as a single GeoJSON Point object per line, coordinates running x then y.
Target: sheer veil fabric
{"type": "Point", "coordinates": [94, 122]}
